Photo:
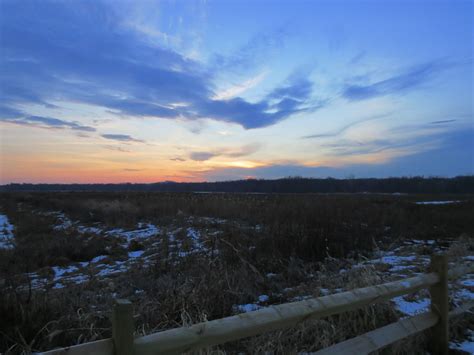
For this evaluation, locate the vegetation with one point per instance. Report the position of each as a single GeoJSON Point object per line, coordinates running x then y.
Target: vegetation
{"type": "Point", "coordinates": [418, 184]}
{"type": "Point", "coordinates": [280, 245]}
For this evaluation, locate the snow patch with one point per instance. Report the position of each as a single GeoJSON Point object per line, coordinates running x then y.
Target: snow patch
{"type": "Point", "coordinates": [144, 231]}
{"type": "Point", "coordinates": [411, 308]}
{"type": "Point", "coordinates": [6, 233]}
{"type": "Point", "coordinates": [135, 254]}
{"type": "Point", "coordinates": [97, 259]}
{"type": "Point", "coordinates": [437, 202]}
{"type": "Point", "coordinates": [263, 298]}
{"type": "Point", "coordinates": [244, 308]}
{"type": "Point", "coordinates": [468, 283]}
{"type": "Point", "coordinates": [467, 345]}
{"type": "Point", "coordinates": [59, 272]}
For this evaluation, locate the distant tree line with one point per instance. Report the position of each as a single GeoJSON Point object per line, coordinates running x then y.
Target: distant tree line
{"type": "Point", "coordinates": [459, 184]}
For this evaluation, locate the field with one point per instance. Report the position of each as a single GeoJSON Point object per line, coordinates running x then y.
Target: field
{"type": "Point", "coordinates": [182, 258]}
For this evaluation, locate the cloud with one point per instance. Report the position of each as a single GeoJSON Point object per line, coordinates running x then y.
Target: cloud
{"type": "Point", "coordinates": [10, 113]}
{"type": "Point", "coordinates": [177, 159]}
{"type": "Point", "coordinates": [299, 88]}
{"type": "Point", "coordinates": [242, 151]}
{"type": "Point", "coordinates": [121, 138]}
{"type": "Point", "coordinates": [226, 152]}
{"type": "Point", "coordinates": [87, 55]}
{"type": "Point", "coordinates": [282, 102]}
{"type": "Point", "coordinates": [398, 84]}
{"type": "Point", "coordinates": [201, 156]}
{"type": "Point", "coordinates": [347, 148]}
{"type": "Point", "coordinates": [130, 169]}
{"type": "Point", "coordinates": [442, 121]}
{"type": "Point", "coordinates": [452, 151]}
{"type": "Point", "coordinates": [394, 142]}
{"type": "Point", "coordinates": [118, 149]}
{"type": "Point", "coordinates": [239, 88]}
{"type": "Point", "coordinates": [358, 57]}
{"type": "Point", "coordinates": [47, 122]}
{"type": "Point", "coordinates": [252, 52]}
{"type": "Point", "coordinates": [343, 129]}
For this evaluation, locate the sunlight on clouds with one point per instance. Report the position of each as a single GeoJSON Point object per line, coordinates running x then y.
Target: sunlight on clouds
{"type": "Point", "coordinates": [238, 89]}
{"type": "Point", "coordinates": [242, 164]}
{"type": "Point", "coordinates": [178, 90]}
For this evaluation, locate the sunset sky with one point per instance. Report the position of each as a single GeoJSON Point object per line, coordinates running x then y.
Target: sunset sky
{"type": "Point", "coordinates": [145, 91]}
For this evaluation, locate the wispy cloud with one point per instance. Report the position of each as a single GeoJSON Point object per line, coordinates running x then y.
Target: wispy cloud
{"type": "Point", "coordinates": [122, 138]}
{"type": "Point", "coordinates": [442, 122]}
{"type": "Point", "coordinates": [226, 152]}
{"type": "Point", "coordinates": [240, 88]}
{"type": "Point", "coordinates": [397, 84]}
{"type": "Point", "coordinates": [347, 148]}
{"type": "Point", "coordinates": [252, 52]}
{"type": "Point", "coordinates": [47, 123]}
{"type": "Point", "coordinates": [345, 128]}
{"type": "Point", "coordinates": [115, 148]}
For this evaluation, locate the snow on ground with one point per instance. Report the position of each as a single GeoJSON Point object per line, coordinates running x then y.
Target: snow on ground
{"type": "Point", "coordinates": [6, 233]}
{"type": "Point", "coordinates": [467, 345]}
{"type": "Point", "coordinates": [59, 272]}
{"type": "Point", "coordinates": [143, 231]}
{"type": "Point", "coordinates": [400, 262]}
{"type": "Point", "coordinates": [461, 295]}
{"type": "Point", "coordinates": [135, 254]}
{"type": "Point", "coordinates": [469, 283]}
{"type": "Point", "coordinates": [89, 230]}
{"type": "Point", "coordinates": [411, 307]}
{"type": "Point", "coordinates": [196, 238]}
{"type": "Point", "coordinates": [183, 242]}
{"type": "Point", "coordinates": [250, 307]}
{"type": "Point", "coordinates": [407, 261]}
{"type": "Point", "coordinates": [63, 222]}
{"type": "Point", "coordinates": [84, 271]}
{"type": "Point", "coordinates": [243, 308]}
{"type": "Point", "coordinates": [99, 258]}
{"type": "Point", "coordinates": [263, 298]}
{"type": "Point", "coordinates": [107, 270]}
{"type": "Point", "coordinates": [437, 202]}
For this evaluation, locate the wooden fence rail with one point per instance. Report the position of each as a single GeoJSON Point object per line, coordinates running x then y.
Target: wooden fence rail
{"type": "Point", "coordinates": [286, 315]}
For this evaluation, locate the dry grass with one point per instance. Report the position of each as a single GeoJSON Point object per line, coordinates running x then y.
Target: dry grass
{"type": "Point", "coordinates": [304, 240]}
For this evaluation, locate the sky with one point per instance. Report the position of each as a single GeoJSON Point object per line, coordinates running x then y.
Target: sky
{"type": "Point", "coordinates": [147, 91]}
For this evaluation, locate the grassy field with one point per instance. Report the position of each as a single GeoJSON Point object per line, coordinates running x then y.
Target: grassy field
{"type": "Point", "coordinates": [188, 257]}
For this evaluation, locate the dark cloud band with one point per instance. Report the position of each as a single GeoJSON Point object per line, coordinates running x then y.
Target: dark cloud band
{"type": "Point", "coordinates": [108, 65]}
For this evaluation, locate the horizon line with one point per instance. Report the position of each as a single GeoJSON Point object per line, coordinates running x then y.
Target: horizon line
{"type": "Point", "coordinates": [239, 180]}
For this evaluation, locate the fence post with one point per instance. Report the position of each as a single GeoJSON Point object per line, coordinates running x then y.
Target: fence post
{"type": "Point", "coordinates": [440, 305]}
{"type": "Point", "coordinates": [122, 327]}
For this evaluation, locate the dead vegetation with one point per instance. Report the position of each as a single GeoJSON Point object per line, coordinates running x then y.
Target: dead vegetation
{"type": "Point", "coordinates": [281, 246]}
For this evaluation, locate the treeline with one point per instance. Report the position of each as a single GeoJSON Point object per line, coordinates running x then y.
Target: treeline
{"type": "Point", "coordinates": [459, 184]}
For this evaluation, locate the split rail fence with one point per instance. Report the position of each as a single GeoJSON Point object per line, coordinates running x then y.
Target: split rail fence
{"type": "Point", "coordinates": [201, 335]}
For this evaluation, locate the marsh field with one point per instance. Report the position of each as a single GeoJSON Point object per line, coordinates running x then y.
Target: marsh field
{"type": "Point", "coordinates": [183, 258]}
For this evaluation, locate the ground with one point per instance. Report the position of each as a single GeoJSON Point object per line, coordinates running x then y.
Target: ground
{"type": "Point", "coordinates": [196, 267]}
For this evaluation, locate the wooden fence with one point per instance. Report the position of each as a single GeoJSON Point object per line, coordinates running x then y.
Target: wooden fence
{"type": "Point", "coordinates": [286, 315]}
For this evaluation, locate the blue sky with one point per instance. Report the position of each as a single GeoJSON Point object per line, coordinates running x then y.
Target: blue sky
{"type": "Point", "coordinates": [141, 91]}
